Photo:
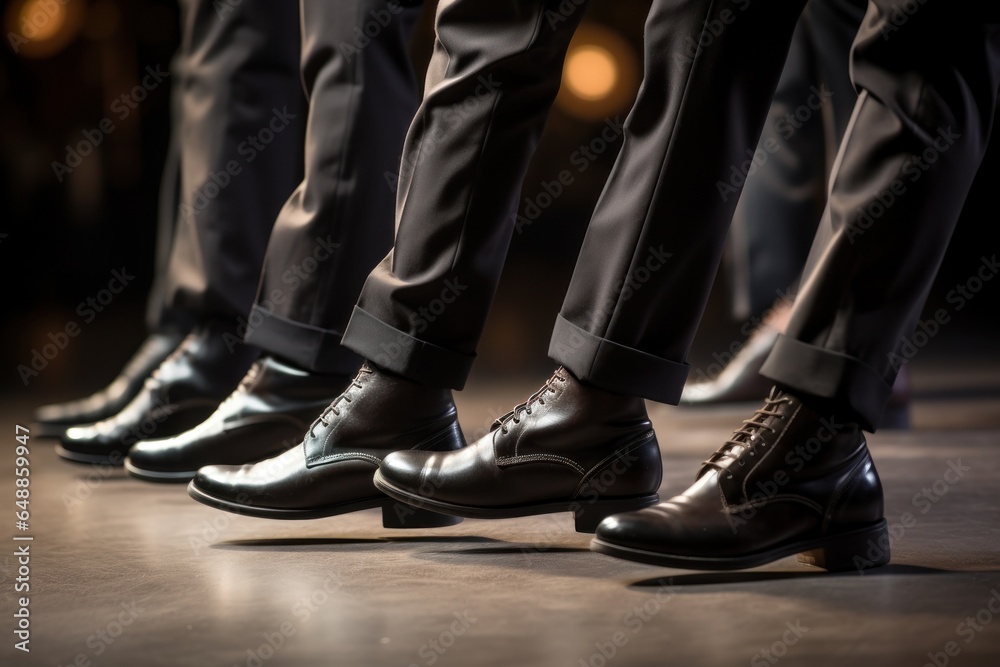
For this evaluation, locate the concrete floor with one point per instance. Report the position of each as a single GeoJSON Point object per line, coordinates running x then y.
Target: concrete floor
{"type": "Point", "coordinates": [127, 573]}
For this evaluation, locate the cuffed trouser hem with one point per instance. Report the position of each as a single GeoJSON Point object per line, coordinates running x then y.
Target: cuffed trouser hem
{"type": "Point", "coordinates": [827, 374]}
{"type": "Point", "coordinates": [308, 347]}
{"type": "Point", "coordinates": [616, 368]}
{"type": "Point", "coordinates": [399, 352]}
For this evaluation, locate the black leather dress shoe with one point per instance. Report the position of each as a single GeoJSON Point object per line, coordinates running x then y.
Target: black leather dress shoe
{"type": "Point", "coordinates": [790, 481]}
{"type": "Point", "coordinates": [568, 448]}
{"type": "Point", "coordinates": [53, 420]}
{"type": "Point", "coordinates": [270, 410]}
{"type": "Point", "coordinates": [180, 394]}
{"type": "Point", "coordinates": [330, 472]}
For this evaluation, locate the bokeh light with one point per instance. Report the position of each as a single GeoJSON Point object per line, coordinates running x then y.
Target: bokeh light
{"type": "Point", "coordinates": [601, 74]}
{"type": "Point", "coordinates": [42, 28]}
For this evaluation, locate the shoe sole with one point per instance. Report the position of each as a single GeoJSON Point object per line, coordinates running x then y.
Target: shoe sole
{"type": "Point", "coordinates": [587, 514]}
{"type": "Point", "coordinates": [859, 549]}
{"type": "Point", "coordinates": [79, 457]}
{"type": "Point", "coordinates": [157, 476]}
{"type": "Point", "coordinates": [394, 514]}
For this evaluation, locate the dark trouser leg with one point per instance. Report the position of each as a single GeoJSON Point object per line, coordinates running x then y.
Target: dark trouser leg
{"type": "Point", "coordinates": [653, 246]}
{"type": "Point", "coordinates": [338, 223]}
{"type": "Point", "coordinates": [494, 74]}
{"type": "Point", "coordinates": [241, 149]}
{"type": "Point", "coordinates": [159, 316]}
{"type": "Point", "coordinates": [906, 164]}
{"type": "Point", "coordinates": [783, 199]}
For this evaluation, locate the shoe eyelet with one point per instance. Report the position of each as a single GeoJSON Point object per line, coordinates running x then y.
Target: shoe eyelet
{"type": "Point", "coordinates": [742, 463]}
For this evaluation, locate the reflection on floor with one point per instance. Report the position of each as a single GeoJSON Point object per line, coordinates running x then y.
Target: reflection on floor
{"type": "Point", "coordinates": [127, 573]}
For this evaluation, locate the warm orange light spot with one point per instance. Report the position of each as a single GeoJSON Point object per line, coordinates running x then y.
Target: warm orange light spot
{"type": "Point", "coordinates": [42, 28]}
{"type": "Point", "coordinates": [42, 20]}
{"type": "Point", "coordinates": [591, 72]}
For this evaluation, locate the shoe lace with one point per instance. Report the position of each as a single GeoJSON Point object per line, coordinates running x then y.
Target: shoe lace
{"type": "Point", "coordinates": [525, 408]}
{"type": "Point", "coordinates": [743, 436]}
{"type": "Point", "coordinates": [180, 352]}
{"type": "Point", "coordinates": [345, 397]}
{"type": "Point", "coordinates": [245, 384]}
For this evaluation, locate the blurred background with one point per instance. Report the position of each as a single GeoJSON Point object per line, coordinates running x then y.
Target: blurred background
{"type": "Point", "coordinates": [64, 70]}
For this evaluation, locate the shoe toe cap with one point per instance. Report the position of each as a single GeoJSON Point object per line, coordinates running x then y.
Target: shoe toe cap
{"type": "Point", "coordinates": [639, 529]}
{"type": "Point", "coordinates": [404, 468]}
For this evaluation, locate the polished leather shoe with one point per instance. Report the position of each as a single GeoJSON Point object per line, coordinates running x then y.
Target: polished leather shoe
{"type": "Point", "coordinates": [53, 420]}
{"type": "Point", "coordinates": [740, 381]}
{"type": "Point", "coordinates": [790, 481]}
{"type": "Point", "coordinates": [269, 411]}
{"type": "Point", "coordinates": [330, 471]}
{"type": "Point", "coordinates": [180, 394]}
{"type": "Point", "coordinates": [570, 447]}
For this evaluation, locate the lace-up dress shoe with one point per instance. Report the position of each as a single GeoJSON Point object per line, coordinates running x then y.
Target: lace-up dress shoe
{"type": "Point", "coordinates": [569, 448]}
{"type": "Point", "coordinates": [53, 420]}
{"type": "Point", "coordinates": [270, 410]}
{"type": "Point", "coordinates": [180, 394]}
{"type": "Point", "coordinates": [330, 471]}
{"type": "Point", "coordinates": [790, 481]}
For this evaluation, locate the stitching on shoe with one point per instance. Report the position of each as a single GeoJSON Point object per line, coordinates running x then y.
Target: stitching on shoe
{"type": "Point", "coordinates": [347, 456]}
{"type": "Point", "coordinates": [527, 458]}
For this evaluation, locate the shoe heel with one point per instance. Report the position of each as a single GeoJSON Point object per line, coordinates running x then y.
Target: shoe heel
{"type": "Point", "coordinates": [401, 515]}
{"type": "Point", "coordinates": [589, 515]}
{"type": "Point", "coordinates": [858, 550]}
